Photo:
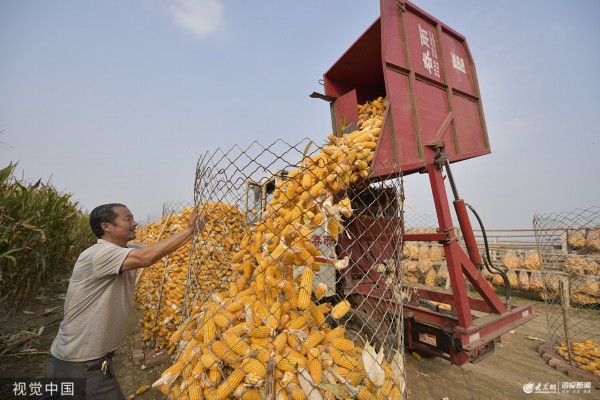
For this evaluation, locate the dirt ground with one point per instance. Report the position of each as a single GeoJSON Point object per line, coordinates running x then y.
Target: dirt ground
{"type": "Point", "coordinates": [502, 375]}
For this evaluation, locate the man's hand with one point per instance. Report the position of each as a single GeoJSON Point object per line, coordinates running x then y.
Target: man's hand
{"type": "Point", "coordinates": [144, 257]}
{"type": "Point", "coordinates": [197, 220]}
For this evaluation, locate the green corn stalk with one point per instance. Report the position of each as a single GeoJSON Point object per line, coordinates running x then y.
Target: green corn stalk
{"type": "Point", "coordinates": [42, 232]}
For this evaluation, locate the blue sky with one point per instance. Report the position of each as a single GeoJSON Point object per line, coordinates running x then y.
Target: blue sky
{"type": "Point", "coordinates": [116, 100]}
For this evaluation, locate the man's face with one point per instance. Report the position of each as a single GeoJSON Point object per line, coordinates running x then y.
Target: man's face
{"type": "Point", "coordinates": [123, 229]}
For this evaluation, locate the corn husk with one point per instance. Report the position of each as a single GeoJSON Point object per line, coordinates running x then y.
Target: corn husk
{"type": "Point", "coordinates": [442, 275]}
{"type": "Point", "coordinates": [436, 253]}
{"type": "Point", "coordinates": [513, 278]}
{"type": "Point", "coordinates": [424, 265]}
{"type": "Point", "coordinates": [410, 251]}
{"type": "Point", "coordinates": [523, 280]}
{"type": "Point", "coordinates": [536, 283]}
{"type": "Point", "coordinates": [532, 260]}
{"type": "Point", "coordinates": [576, 239]}
{"type": "Point", "coordinates": [430, 277]}
{"type": "Point", "coordinates": [586, 285]}
{"type": "Point", "coordinates": [592, 240]}
{"type": "Point", "coordinates": [511, 260]}
{"type": "Point", "coordinates": [575, 264]}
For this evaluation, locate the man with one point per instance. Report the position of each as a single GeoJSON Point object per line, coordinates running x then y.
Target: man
{"type": "Point", "coordinates": [100, 296]}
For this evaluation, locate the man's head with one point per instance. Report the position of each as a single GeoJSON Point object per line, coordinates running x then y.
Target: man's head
{"type": "Point", "coordinates": [113, 222]}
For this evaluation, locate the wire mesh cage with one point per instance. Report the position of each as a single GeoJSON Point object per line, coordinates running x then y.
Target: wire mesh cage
{"type": "Point", "coordinates": [424, 263]}
{"type": "Point", "coordinates": [308, 304]}
{"type": "Point", "coordinates": [160, 288]}
{"type": "Point", "coordinates": [569, 246]}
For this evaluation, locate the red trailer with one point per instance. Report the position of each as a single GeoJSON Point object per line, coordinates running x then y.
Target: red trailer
{"type": "Point", "coordinates": [434, 118]}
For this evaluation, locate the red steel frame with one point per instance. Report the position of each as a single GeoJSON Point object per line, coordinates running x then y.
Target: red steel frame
{"type": "Point", "coordinates": [470, 338]}
{"type": "Point", "coordinates": [409, 143]}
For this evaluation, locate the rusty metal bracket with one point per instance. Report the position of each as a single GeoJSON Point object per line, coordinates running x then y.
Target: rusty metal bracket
{"type": "Point", "coordinates": [316, 95]}
{"type": "Point", "coordinates": [448, 238]}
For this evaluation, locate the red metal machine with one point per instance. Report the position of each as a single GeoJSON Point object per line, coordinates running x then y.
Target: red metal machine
{"type": "Point", "coordinates": [434, 118]}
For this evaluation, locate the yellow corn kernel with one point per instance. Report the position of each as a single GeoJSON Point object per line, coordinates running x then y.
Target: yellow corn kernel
{"type": "Point", "coordinates": [315, 369]}
{"type": "Point", "coordinates": [395, 393]}
{"type": "Point", "coordinates": [260, 309]}
{"type": "Point", "coordinates": [342, 344]}
{"type": "Point", "coordinates": [355, 377]}
{"type": "Point", "coordinates": [280, 341]}
{"type": "Point", "coordinates": [221, 351]}
{"type": "Point", "coordinates": [303, 256]}
{"type": "Point", "coordinates": [288, 257]}
{"type": "Point", "coordinates": [386, 389]}
{"type": "Point", "coordinates": [237, 330]}
{"type": "Point", "coordinates": [278, 252]}
{"type": "Point", "coordinates": [314, 338]}
{"type": "Point", "coordinates": [317, 189]}
{"type": "Point", "coordinates": [297, 323]}
{"type": "Point", "coordinates": [190, 352]}
{"type": "Point", "coordinates": [222, 321]}
{"type": "Point", "coordinates": [171, 350]}
{"type": "Point", "coordinates": [343, 360]}
{"type": "Point", "coordinates": [209, 360]}
{"type": "Point", "coordinates": [316, 313]}
{"type": "Point", "coordinates": [210, 392]}
{"type": "Point", "coordinates": [305, 289]}
{"type": "Point", "coordinates": [296, 358]}
{"type": "Point", "coordinates": [293, 341]}
{"type": "Point", "coordinates": [343, 372]}
{"type": "Point", "coordinates": [251, 394]}
{"type": "Point", "coordinates": [226, 387]}
{"type": "Point", "coordinates": [369, 145]}
{"type": "Point", "coordinates": [209, 331]}
{"type": "Point", "coordinates": [195, 391]}
{"type": "Point", "coordinates": [274, 315]}
{"type": "Point", "coordinates": [314, 251]}
{"type": "Point", "coordinates": [295, 391]}
{"type": "Point", "coordinates": [260, 332]}
{"type": "Point", "coordinates": [340, 309]}
{"type": "Point", "coordinates": [236, 344]}
{"type": "Point", "coordinates": [320, 290]}
{"type": "Point", "coordinates": [254, 366]}
{"type": "Point", "coordinates": [198, 369]}
{"type": "Point", "coordinates": [263, 355]}
{"type": "Point", "coordinates": [364, 394]}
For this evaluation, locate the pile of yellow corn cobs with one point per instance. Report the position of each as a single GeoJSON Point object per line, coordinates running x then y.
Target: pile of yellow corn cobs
{"type": "Point", "coordinates": [210, 270]}
{"type": "Point", "coordinates": [267, 335]}
{"type": "Point", "coordinates": [586, 353]}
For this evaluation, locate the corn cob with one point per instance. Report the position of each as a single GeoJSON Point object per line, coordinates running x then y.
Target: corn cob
{"type": "Point", "coordinates": [340, 309]}
{"type": "Point", "coordinates": [276, 311]}
{"type": "Point", "coordinates": [305, 290]}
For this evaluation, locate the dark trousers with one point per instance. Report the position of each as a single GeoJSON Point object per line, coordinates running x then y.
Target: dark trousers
{"type": "Point", "coordinates": [99, 384]}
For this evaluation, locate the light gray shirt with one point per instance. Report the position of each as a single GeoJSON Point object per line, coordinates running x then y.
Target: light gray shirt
{"type": "Point", "coordinates": [97, 304]}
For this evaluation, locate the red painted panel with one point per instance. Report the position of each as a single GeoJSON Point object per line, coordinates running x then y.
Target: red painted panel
{"type": "Point", "coordinates": [392, 45]}
{"type": "Point", "coordinates": [346, 113]}
{"type": "Point", "coordinates": [398, 140]}
{"type": "Point", "coordinates": [401, 56]}
{"type": "Point", "coordinates": [468, 124]}
{"type": "Point", "coordinates": [458, 64]}
{"type": "Point", "coordinates": [432, 107]}
{"type": "Point", "coordinates": [423, 49]}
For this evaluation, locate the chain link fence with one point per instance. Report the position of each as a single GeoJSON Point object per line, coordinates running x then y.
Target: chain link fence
{"type": "Point", "coordinates": [569, 245]}
{"type": "Point", "coordinates": [308, 304]}
{"type": "Point", "coordinates": [424, 263]}
{"type": "Point", "coordinates": [159, 290]}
